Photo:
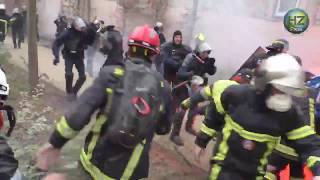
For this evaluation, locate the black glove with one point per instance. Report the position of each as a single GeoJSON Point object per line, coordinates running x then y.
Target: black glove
{"type": "Point", "coordinates": [211, 69]}
{"type": "Point", "coordinates": [11, 117]}
{"type": "Point", "coordinates": [212, 60]}
{"type": "Point", "coordinates": [56, 61]}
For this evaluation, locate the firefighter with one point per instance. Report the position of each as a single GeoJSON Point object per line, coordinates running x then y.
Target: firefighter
{"type": "Point", "coordinates": [277, 47]}
{"type": "Point", "coordinates": [74, 41]}
{"type": "Point", "coordinates": [8, 163]}
{"type": "Point", "coordinates": [283, 154]}
{"type": "Point", "coordinates": [252, 118]}
{"type": "Point", "coordinates": [112, 45]}
{"type": "Point", "coordinates": [244, 76]}
{"type": "Point", "coordinates": [196, 63]}
{"type": "Point", "coordinates": [107, 152]}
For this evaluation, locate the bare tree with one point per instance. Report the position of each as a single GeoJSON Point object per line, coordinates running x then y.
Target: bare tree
{"type": "Point", "coordinates": [125, 5]}
{"type": "Point", "coordinates": [89, 9]}
{"type": "Point", "coordinates": [160, 6]}
{"type": "Point", "coordinates": [84, 9]}
{"type": "Point", "coordinates": [32, 44]}
{"type": "Point", "coordinates": [193, 21]}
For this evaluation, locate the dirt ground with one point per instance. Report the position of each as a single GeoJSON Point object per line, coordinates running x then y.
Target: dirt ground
{"type": "Point", "coordinates": [35, 120]}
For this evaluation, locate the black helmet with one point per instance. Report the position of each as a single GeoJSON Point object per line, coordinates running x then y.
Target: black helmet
{"type": "Point", "coordinates": [278, 44]}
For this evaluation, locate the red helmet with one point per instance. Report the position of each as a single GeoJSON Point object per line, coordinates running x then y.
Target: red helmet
{"type": "Point", "coordinates": [146, 37]}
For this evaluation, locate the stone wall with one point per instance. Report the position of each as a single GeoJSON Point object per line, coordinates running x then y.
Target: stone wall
{"type": "Point", "coordinates": [48, 11]}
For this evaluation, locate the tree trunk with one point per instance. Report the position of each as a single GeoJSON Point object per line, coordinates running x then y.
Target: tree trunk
{"type": "Point", "coordinates": [160, 7]}
{"type": "Point", "coordinates": [89, 10]}
{"type": "Point", "coordinates": [84, 9]}
{"type": "Point", "coordinates": [32, 45]}
{"type": "Point", "coordinates": [193, 20]}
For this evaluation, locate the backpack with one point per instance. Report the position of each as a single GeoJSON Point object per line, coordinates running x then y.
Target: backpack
{"type": "Point", "coordinates": [135, 106]}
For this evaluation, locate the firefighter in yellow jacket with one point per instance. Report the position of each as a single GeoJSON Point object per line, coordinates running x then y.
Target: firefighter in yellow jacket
{"type": "Point", "coordinates": [242, 77]}
{"type": "Point", "coordinates": [252, 118]}
{"type": "Point", "coordinates": [133, 102]}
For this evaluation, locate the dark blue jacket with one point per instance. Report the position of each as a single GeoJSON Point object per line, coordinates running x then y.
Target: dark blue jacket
{"type": "Point", "coordinates": [191, 66]}
{"type": "Point", "coordinates": [74, 42]}
{"type": "Point", "coordinates": [173, 56]}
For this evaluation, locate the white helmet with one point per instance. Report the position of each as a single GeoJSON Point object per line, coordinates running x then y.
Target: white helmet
{"type": "Point", "coordinates": [197, 80]}
{"type": "Point", "coordinates": [204, 47]}
{"type": "Point", "coordinates": [2, 6]}
{"type": "Point", "coordinates": [4, 86]}
{"type": "Point", "coordinates": [79, 23]}
{"type": "Point", "coordinates": [283, 72]}
{"type": "Point", "coordinates": [15, 10]}
{"type": "Point", "coordinates": [96, 22]}
{"type": "Point", "coordinates": [159, 24]}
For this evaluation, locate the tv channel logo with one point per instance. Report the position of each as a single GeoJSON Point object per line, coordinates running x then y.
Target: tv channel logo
{"type": "Point", "coordinates": [296, 21]}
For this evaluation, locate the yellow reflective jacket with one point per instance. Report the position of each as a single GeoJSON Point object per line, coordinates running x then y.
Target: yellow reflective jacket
{"type": "Point", "coordinates": [250, 131]}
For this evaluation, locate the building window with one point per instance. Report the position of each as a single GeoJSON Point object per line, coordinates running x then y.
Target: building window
{"type": "Point", "coordinates": [284, 5]}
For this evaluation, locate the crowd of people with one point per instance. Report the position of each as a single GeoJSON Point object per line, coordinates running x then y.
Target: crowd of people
{"type": "Point", "coordinates": [262, 118]}
{"type": "Point", "coordinates": [17, 22]}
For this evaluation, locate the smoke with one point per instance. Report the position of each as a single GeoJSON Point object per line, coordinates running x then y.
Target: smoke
{"type": "Point", "coordinates": [48, 11]}
{"type": "Point", "coordinates": [235, 28]}
{"type": "Point", "coordinates": [232, 32]}
{"type": "Point", "coordinates": [94, 60]}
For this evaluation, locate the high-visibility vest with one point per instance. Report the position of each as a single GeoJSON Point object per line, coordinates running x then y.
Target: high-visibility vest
{"type": "Point", "coordinates": [5, 25]}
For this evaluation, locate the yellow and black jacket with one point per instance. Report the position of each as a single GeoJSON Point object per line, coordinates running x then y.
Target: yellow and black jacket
{"type": "Point", "coordinates": [3, 24]}
{"type": "Point", "coordinates": [206, 94]}
{"type": "Point", "coordinates": [283, 154]}
{"type": "Point", "coordinates": [99, 157]}
{"type": "Point", "coordinates": [250, 131]}
{"type": "Point", "coordinates": [307, 106]}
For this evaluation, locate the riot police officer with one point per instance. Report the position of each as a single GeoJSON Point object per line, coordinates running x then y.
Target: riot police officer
{"type": "Point", "coordinates": [74, 41]}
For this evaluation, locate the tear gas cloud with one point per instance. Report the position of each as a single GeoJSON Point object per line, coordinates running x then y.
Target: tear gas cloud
{"type": "Point", "coordinates": [235, 28]}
